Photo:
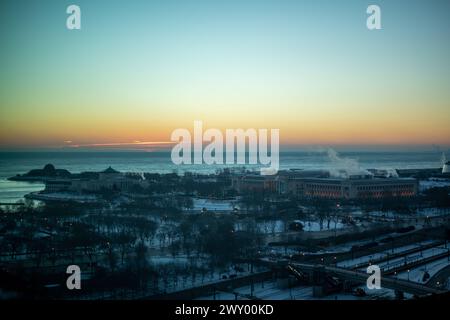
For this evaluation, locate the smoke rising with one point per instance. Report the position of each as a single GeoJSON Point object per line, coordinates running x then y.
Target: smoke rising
{"type": "Point", "coordinates": [443, 159]}
{"type": "Point", "coordinates": [344, 167]}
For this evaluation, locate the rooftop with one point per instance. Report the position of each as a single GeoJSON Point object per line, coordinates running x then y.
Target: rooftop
{"type": "Point", "coordinates": [110, 170]}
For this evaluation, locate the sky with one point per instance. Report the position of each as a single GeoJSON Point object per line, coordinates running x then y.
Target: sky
{"type": "Point", "coordinates": [137, 70]}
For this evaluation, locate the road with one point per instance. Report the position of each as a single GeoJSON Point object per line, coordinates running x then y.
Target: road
{"type": "Point", "coordinates": [361, 277]}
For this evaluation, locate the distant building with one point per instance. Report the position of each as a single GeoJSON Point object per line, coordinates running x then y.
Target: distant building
{"type": "Point", "coordinates": [255, 182]}
{"type": "Point", "coordinates": [319, 184]}
{"type": "Point", "coordinates": [353, 188]}
{"type": "Point", "coordinates": [274, 183]}
{"type": "Point", "coordinates": [108, 179]}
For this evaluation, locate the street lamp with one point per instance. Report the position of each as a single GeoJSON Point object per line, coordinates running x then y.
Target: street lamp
{"type": "Point", "coordinates": [408, 274]}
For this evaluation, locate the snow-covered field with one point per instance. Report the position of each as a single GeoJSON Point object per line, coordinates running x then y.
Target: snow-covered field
{"type": "Point", "coordinates": [278, 226]}
{"type": "Point", "coordinates": [200, 204]}
{"type": "Point", "coordinates": [62, 197]}
{"type": "Point", "coordinates": [181, 282]}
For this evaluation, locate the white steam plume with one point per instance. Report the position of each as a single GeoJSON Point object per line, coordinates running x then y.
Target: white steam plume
{"type": "Point", "coordinates": [344, 167]}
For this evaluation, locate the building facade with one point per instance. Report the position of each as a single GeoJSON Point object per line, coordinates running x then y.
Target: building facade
{"type": "Point", "coordinates": [319, 184]}
{"type": "Point", "coordinates": [108, 179]}
{"type": "Point", "coordinates": [255, 182]}
{"type": "Point", "coordinates": [348, 188]}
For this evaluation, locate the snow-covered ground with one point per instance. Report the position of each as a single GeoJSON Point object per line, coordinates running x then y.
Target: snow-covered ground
{"type": "Point", "coordinates": [432, 212]}
{"type": "Point", "coordinates": [200, 204]}
{"type": "Point", "coordinates": [433, 183]}
{"type": "Point", "coordinates": [181, 282]}
{"type": "Point", "coordinates": [381, 255]}
{"type": "Point", "coordinates": [162, 260]}
{"type": "Point", "coordinates": [392, 216]}
{"type": "Point", "coordinates": [432, 268]}
{"type": "Point", "coordinates": [60, 196]}
{"type": "Point", "coordinates": [278, 226]}
{"type": "Point", "coordinates": [270, 290]}
{"type": "Point", "coordinates": [345, 247]}
{"type": "Point", "coordinates": [390, 264]}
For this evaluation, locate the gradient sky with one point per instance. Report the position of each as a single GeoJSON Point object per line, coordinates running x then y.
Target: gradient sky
{"type": "Point", "coordinates": [140, 69]}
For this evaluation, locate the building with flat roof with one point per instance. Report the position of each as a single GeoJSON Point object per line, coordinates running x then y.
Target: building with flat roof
{"type": "Point", "coordinates": [352, 188]}
{"type": "Point", "coordinates": [108, 179]}
{"type": "Point", "coordinates": [244, 182]}
{"type": "Point", "coordinates": [255, 182]}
